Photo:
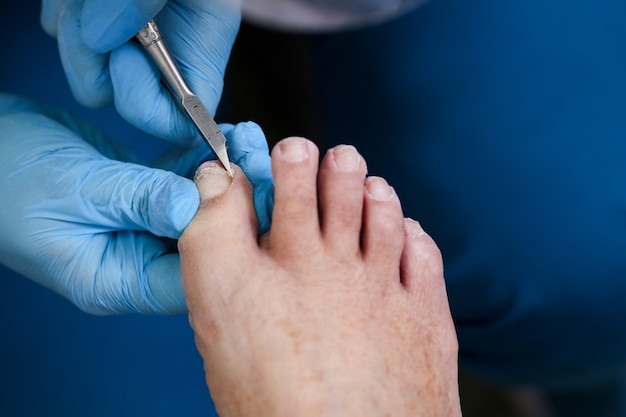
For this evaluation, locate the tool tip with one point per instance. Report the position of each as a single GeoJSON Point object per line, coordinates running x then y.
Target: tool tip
{"type": "Point", "coordinates": [220, 152]}
{"type": "Point", "coordinates": [229, 169]}
{"type": "Point", "coordinates": [227, 166]}
{"type": "Point", "coordinates": [223, 158]}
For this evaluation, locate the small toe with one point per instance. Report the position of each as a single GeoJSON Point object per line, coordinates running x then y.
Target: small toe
{"type": "Point", "coordinates": [421, 267]}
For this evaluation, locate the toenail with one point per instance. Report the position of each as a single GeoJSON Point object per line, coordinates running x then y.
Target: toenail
{"type": "Point", "coordinates": [413, 228]}
{"type": "Point", "coordinates": [293, 150]}
{"type": "Point", "coordinates": [378, 189]}
{"type": "Point", "coordinates": [212, 180]}
{"type": "Point", "coordinates": [346, 158]}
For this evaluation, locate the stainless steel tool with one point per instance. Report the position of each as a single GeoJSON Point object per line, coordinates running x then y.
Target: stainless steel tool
{"type": "Point", "coordinates": [151, 39]}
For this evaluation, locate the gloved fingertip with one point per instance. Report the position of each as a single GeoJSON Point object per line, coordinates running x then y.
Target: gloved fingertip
{"type": "Point", "coordinates": [86, 71]}
{"type": "Point", "coordinates": [212, 181]}
{"type": "Point", "coordinates": [164, 287]}
{"type": "Point", "coordinates": [141, 99]}
{"type": "Point", "coordinates": [264, 205]}
{"type": "Point", "coordinates": [174, 208]}
{"type": "Point", "coordinates": [248, 148]}
{"type": "Point", "coordinates": [49, 16]}
{"type": "Point", "coordinates": [250, 136]}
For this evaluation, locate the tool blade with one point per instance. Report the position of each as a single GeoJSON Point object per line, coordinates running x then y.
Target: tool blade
{"type": "Point", "coordinates": [209, 130]}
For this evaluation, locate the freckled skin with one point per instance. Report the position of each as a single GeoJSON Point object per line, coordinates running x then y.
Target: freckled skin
{"type": "Point", "coordinates": [309, 321]}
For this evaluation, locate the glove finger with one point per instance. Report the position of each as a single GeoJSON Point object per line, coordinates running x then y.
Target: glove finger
{"type": "Point", "coordinates": [248, 148]}
{"type": "Point", "coordinates": [125, 272]}
{"type": "Point", "coordinates": [86, 70]}
{"type": "Point", "coordinates": [49, 16]}
{"type": "Point", "coordinates": [200, 35]}
{"type": "Point", "coordinates": [164, 284]}
{"type": "Point", "coordinates": [264, 205]}
{"type": "Point", "coordinates": [82, 128]}
{"type": "Point", "coordinates": [144, 102]}
{"type": "Point", "coordinates": [107, 25]}
{"type": "Point", "coordinates": [129, 196]}
{"type": "Point", "coordinates": [104, 195]}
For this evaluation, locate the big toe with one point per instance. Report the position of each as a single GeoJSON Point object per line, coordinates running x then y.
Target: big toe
{"type": "Point", "coordinates": [222, 234]}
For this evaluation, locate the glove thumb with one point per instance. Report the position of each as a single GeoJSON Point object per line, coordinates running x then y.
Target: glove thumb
{"type": "Point", "coordinates": [126, 196]}
{"type": "Point", "coordinates": [108, 24]}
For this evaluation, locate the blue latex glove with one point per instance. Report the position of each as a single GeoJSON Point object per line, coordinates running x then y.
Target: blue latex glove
{"type": "Point", "coordinates": [79, 217]}
{"type": "Point", "coordinates": [102, 67]}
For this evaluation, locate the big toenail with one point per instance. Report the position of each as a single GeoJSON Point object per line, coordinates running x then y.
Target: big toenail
{"type": "Point", "coordinates": [378, 189]}
{"type": "Point", "coordinates": [347, 158]}
{"type": "Point", "coordinates": [293, 150]}
{"type": "Point", "coordinates": [212, 180]}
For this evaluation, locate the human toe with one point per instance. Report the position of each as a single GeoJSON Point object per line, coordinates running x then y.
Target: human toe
{"type": "Point", "coordinates": [421, 267]}
{"type": "Point", "coordinates": [295, 220]}
{"type": "Point", "coordinates": [383, 227]}
{"type": "Point", "coordinates": [222, 234]}
{"type": "Point", "coordinates": [340, 189]}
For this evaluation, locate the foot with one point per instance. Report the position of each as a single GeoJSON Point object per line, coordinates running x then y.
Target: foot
{"type": "Point", "coordinates": [339, 310]}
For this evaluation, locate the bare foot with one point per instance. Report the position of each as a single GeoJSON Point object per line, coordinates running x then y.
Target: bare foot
{"type": "Point", "coordinates": [338, 311]}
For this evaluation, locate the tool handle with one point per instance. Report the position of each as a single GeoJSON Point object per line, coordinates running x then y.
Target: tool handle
{"type": "Point", "coordinates": [150, 37]}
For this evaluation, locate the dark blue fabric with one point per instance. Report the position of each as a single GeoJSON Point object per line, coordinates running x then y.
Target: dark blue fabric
{"type": "Point", "coordinates": [56, 361]}
{"type": "Point", "coordinates": [502, 126]}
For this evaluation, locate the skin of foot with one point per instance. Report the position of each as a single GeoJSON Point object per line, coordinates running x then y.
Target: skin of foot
{"type": "Point", "coordinates": [339, 310]}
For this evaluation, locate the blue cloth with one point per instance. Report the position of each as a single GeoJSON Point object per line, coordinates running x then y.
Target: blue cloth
{"type": "Point", "coordinates": [502, 126]}
{"type": "Point", "coordinates": [55, 360]}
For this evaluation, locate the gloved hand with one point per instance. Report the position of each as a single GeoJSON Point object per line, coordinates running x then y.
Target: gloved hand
{"type": "Point", "coordinates": [102, 67]}
{"type": "Point", "coordinates": [79, 217]}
